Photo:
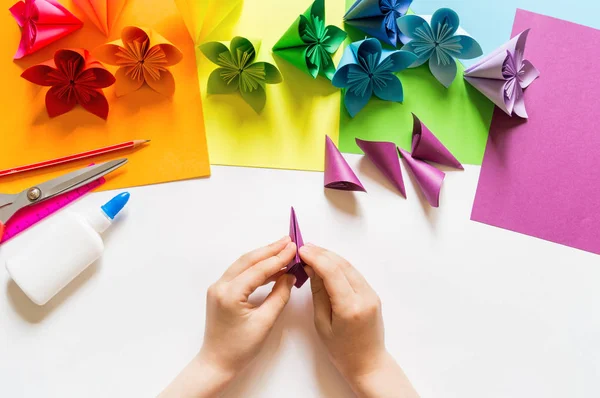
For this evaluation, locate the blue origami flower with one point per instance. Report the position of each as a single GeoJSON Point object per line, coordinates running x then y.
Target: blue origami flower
{"type": "Point", "coordinates": [438, 43]}
{"type": "Point", "coordinates": [367, 69]}
{"type": "Point", "coordinates": [377, 18]}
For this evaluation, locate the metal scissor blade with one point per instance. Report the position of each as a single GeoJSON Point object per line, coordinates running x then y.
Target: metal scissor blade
{"type": "Point", "coordinates": [59, 185]}
{"type": "Point", "coordinates": [77, 179]}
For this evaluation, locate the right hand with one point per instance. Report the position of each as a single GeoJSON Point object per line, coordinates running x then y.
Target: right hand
{"type": "Point", "coordinates": [349, 321]}
{"type": "Point", "coordinates": [347, 312]}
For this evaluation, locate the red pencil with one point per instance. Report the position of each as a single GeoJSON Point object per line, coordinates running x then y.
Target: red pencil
{"type": "Point", "coordinates": [71, 158]}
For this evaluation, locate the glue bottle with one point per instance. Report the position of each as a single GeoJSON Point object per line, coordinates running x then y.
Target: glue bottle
{"type": "Point", "coordinates": [61, 249]}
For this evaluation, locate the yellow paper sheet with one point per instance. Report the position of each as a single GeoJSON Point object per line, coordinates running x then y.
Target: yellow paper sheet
{"type": "Point", "coordinates": [290, 132]}
{"type": "Point", "coordinates": [175, 125]}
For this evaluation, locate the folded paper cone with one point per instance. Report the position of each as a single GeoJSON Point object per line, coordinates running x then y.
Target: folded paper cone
{"type": "Point", "coordinates": [338, 174]}
{"type": "Point", "coordinates": [426, 146]}
{"type": "Point", "coordinates": [428, 177]}
{"type": "Point", "coordinates": [296, 267]}
{"type": "Point", "coordinates": [384, 155]}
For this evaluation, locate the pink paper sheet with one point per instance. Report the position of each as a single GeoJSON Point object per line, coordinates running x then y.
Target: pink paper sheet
{"type": "Point", "coordinates": [541, 177]}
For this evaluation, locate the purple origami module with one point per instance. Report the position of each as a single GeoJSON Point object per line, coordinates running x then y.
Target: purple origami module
{"type": "Point", "coordinates": [428, 177]}
{"type": "Point", "coordinates": [296, 266]}
{"type": "Point", "coordinates": [426, 146]}
{"type": "Point", "coordinates": [385, 156]}
{"type": "Point", "coordinates": [338, 174]}
{"type": "Point", "coordinates": [503, 76]}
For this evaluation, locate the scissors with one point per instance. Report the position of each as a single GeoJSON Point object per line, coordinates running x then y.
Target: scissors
{"type": "Point", "coordinates": [10, 204]}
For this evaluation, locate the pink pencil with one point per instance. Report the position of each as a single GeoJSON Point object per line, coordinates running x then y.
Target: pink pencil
{"type": "Point", "coordinates": [71, 158]}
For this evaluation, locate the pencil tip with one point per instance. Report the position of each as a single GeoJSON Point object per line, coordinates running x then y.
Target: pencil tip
{"type": "Point", "coordinates": [146, 141]}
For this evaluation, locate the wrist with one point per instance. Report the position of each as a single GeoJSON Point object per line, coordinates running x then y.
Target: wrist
{"type": "Point", "coordinates": [382, 378]}
{"type": "Point", "coordinates": [201, 378]}
{"type": "Point", "coordinates": [210, 365]}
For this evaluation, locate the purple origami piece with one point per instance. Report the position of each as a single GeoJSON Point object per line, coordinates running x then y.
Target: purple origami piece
{"type": "Point", "coordinates": [426, 146]}
{"type": "Point", "coordinates": [377, 18]}
{"type": "Point", "coordinates": [428, 177]}
{"type": "Point", "coordinates": [385, 156]}
{"type": "Point", "coordinates": [296, 267]}
{"type": "Point", "coordinates": [338, 174]}
{"type": "Point", "coordinates": [503, 76]}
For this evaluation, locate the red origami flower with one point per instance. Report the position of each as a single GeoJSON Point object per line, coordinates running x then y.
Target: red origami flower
{"type": "Point", "coordinates": [75, 78]}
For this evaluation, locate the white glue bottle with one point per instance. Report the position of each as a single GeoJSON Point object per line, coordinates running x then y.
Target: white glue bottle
{"type": "Point", "coordinates": [61, 249]}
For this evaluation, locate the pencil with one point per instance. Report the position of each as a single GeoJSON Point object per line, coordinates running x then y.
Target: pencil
{"type": "Point", "coordinates": [71, 158]}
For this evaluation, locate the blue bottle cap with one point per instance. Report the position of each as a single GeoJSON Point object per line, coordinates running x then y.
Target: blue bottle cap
{"type": "Point", "coordinates": [115, 205]}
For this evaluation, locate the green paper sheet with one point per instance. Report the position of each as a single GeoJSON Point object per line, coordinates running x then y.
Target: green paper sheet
{"type": "Point", "coordinates": [459, 116]}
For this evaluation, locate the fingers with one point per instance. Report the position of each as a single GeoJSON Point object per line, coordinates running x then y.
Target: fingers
{"type": "Point", "coordinates": [356, 279]}
{"type": "Point", "coordinates": [253, 257]}
{"type": "Point", "coordinates": [334, 280]}
{"type": "Point", "coordinates": [276, 301]}
{"type": "Point", "coordinates": [259, 274]}
{"type": "Point", "coordinates": [321, 303]}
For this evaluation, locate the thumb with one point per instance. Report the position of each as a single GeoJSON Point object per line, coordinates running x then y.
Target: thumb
{"type": "Point", "coordinates": [276, 301]}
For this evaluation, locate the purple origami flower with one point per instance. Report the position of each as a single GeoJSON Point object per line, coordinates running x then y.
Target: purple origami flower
{"type": "Point", "coordinates": [377, 18]}
{"type": "Point", "coordinates": [504, 75]}
{"type": "Point", "coordinates": [437, 43]}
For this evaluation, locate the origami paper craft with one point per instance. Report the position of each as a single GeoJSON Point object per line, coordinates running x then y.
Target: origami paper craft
{"type": "Point", "coordinates": [338, 174]}
{"type": "Point", "coordinates": [426, 146]}
{"type": "Point", "coordinates": [174, 124]}
{"type": "Point", "coordinates": [367, 69]}
{"type": "Point", "coordinates": [239, 73]}
{"type": "Point", "coordinates": [42, 22]}
{"type": "Point", "coordinates": [503, 76]}
{"type": "Point", "coordinates": [308, 44]}
{"type": "Point", "coordinates": [541, 177]}
{"type": "Point", "coordinates": [296, 266]}
{"type": "Point", "coordinates": [143, 56]}
{"type": "Point", "coordinates": [75, 78]}
{"type": "Point", "coordinates": [428, 177]}
{"type": "Point", "coordinates": [437, 43]}
{"type": "Point", "coordinates": [385, 156]}
{"type": "Point", "coordinates": [102, 13]}
{"type": "Point", "coordinates": [377, 18]}
{"type": "Point", "coordinates": [201, 17]}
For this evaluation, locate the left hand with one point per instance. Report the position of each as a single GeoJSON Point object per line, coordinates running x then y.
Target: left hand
{"type": "Point", "coordinates": [236, 329]}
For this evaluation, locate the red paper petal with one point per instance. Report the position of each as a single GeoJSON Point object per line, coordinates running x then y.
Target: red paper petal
{"type": "Point", "coordinates": [97, 104]}
{"type": "Point", "coordinates": [57, 105]}
{"type": "Point", "coordinates": [70, 62]}
{"type": "Point", "coordinates": [96, 78]}
{"type": "Point", "coordinates": [38, 74]}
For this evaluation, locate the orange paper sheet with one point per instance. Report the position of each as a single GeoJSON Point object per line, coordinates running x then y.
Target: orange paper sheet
{"type": "Point", "coordinates": [175, 125]}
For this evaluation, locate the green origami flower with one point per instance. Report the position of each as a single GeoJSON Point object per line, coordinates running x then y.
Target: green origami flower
{"type": "Point", "coordinates": [239, 72]}
{"type": "Point", "coordinates": [308, 44]}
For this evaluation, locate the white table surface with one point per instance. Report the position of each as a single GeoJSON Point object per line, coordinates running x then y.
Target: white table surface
{"type": "Point", "coordinates": [470, 310]}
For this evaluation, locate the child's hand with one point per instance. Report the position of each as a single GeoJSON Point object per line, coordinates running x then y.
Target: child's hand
{"type": "Point", "coordinates": [348, 319]}
{"type": "Point", "coordinates": [235, 329]}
